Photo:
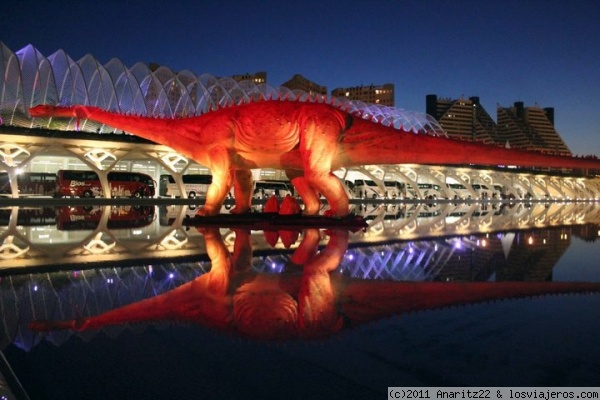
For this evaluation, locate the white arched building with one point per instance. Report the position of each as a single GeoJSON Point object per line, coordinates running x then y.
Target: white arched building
{"type": "Point", "coordinates": [45, 145]}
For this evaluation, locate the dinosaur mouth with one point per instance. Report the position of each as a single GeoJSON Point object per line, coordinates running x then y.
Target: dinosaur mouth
{"type": "Point", "coordinates": [39, 111]}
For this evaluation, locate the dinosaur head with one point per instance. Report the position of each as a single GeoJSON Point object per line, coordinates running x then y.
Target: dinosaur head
{"type": "Point", "coordinates": [47, 110]}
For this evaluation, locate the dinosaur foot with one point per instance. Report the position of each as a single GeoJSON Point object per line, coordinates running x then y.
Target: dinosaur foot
{"type": "Point", "coordinates": [237, 210]}
{"type": "Point", "coordinates": [334, 214]}
{"type": "Point", "coordinates": [206, 211]}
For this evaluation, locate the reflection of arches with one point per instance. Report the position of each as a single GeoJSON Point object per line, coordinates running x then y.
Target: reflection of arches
{"type": "Point", "coordinates": [94, 242]}
{"type": "Point", "coordinates": [9, 250]}
{"type": "Point", "coordinates": [98, 246]}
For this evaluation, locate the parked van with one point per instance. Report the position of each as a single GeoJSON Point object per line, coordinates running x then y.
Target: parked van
{"type": "Point", "coordinates": [268, 188]}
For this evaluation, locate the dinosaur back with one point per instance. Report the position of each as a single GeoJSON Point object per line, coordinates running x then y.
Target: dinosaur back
{"type": "Point", "coordinates": [269, 127]}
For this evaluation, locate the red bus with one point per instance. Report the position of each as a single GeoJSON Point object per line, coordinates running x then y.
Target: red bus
{"type": "Point", "coordinates": [71, 183]}
{"type": "Point", "coordinates": [87, 218]}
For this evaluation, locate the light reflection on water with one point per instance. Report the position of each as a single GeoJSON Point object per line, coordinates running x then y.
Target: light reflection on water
{"type": "Point", "coordinates": [145, 286]}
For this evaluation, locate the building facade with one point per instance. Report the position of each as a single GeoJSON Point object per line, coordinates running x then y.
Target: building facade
{"type": "Point", "coordinates": [529, 128]}
{"type": "Point", "coordinates": [257, 77]}
{"type": "Point", "coordinates": [463, 118]}
{"type": "Point", "coordinates": [298, 82]}
{"type": "Point", "coordinates": [375, 94]}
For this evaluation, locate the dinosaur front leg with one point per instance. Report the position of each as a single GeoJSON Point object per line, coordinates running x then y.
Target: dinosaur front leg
{"type": "Point", "coordinates": [318, 146]}
{"type": "Point", "coordinates": [242, 190]}
{"type": "Point", "coordinates": [222, 180]}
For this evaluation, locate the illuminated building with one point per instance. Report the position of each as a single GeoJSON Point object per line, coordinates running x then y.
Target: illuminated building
{"type": "Point", "coordinates": [257, 77]}
{"type": "Point", "coordinates": [45, 145]}
{"type": "Point", "coordinates": [374, 94]}
{"type": "Point", "coordinates": [529, 128]}
{"type": "Point", "coordinates": [464, 119]}
{"type": "Point", "coordinates": [298, 82]}
{"type": "Point", "coordinates": [519, 127]}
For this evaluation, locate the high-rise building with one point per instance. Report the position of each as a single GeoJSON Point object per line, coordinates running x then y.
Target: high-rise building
{"type": "Point", "coordinates": [298, 82]}
{"type": "Point", "coordinates": [464, 119]}
{"type": "Point", "coordinates": [374, 94]}
{"type": "Point", "coordinates": [530, 128]}
{"type": "Point", "coordinates": [257, 77]}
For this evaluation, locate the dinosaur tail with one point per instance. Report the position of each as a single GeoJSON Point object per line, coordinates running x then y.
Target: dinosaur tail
{"type": "Point", "coordinates": [366, 143]}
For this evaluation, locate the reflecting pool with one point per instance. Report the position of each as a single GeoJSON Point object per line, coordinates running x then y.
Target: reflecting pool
{"type": "Point", "coordinates": [106, 301]}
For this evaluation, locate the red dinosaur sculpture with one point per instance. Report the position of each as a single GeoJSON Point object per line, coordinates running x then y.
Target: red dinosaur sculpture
{"type": "Point", "coordinates": [316, 304]}
{"type": "Point", "coordinates": [308, 140]}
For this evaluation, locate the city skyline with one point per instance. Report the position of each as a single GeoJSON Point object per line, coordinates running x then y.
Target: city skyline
{"type": "Point", "coordinates": [536, 53]}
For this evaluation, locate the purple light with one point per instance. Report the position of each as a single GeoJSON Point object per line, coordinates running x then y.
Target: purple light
{"type": "Point", "coordinates": [171, 275]}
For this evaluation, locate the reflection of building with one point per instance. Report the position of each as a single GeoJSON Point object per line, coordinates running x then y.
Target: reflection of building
{"type": "Point", "coordinates": [462, 118]}
{"type": "Point", "coordinates": [372, 281]}
{"type": "Point", "coordinates": [530, 128]}
{"type": "Point", "coordinates": [298, 82]}
{"type": "Point", "coordinates": [588, 232]}
{"type": "Point", "coordinates": [534, 254]}
{"type": "Point", "coordinates": [446, 246]}
{"type": "Point", "coordinates": [509, 256]}
{"type": "Point", "coordinates": [375, 94]}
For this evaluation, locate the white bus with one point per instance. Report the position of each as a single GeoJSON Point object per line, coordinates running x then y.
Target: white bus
{"type": "Point", "coordinates": [195, 185]}
{"type": "Point", "coordinates": [459, 191]}
{"type": "Point", "coordinates": [483, 192]}
{"type": "Point", "coordinates": [366, 189]}
{"type": "Point", "coordinates": [430, 191]}
{"type": "Point", "coordinates": [394, 189]}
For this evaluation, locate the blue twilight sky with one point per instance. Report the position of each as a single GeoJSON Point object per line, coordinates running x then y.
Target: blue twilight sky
{"type": "Point", "coordinates": [539, 52]}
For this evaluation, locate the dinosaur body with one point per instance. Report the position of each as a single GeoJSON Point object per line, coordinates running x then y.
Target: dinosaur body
{"type": "Point", "coordinates": [308, 140]}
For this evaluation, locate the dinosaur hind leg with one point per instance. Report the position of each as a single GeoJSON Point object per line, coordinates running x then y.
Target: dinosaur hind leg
{"type": "Point", "coordinates": [317, 147]}
{"type": "Point", "coordinates": [310, 198]}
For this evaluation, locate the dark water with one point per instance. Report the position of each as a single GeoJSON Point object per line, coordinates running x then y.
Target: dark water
{"type": "Point", "coordinates": [133, 303]}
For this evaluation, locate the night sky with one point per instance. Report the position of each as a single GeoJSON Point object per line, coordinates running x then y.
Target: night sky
{"type": "Point", "coordinates": [538, 52]}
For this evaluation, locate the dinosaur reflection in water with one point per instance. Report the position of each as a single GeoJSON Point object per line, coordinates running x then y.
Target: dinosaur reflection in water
{"type": "Point", "coordinates": [308, 301]}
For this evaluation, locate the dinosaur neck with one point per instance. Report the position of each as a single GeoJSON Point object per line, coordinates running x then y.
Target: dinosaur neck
{"type": "Point", "coordinates": [137, 125]}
